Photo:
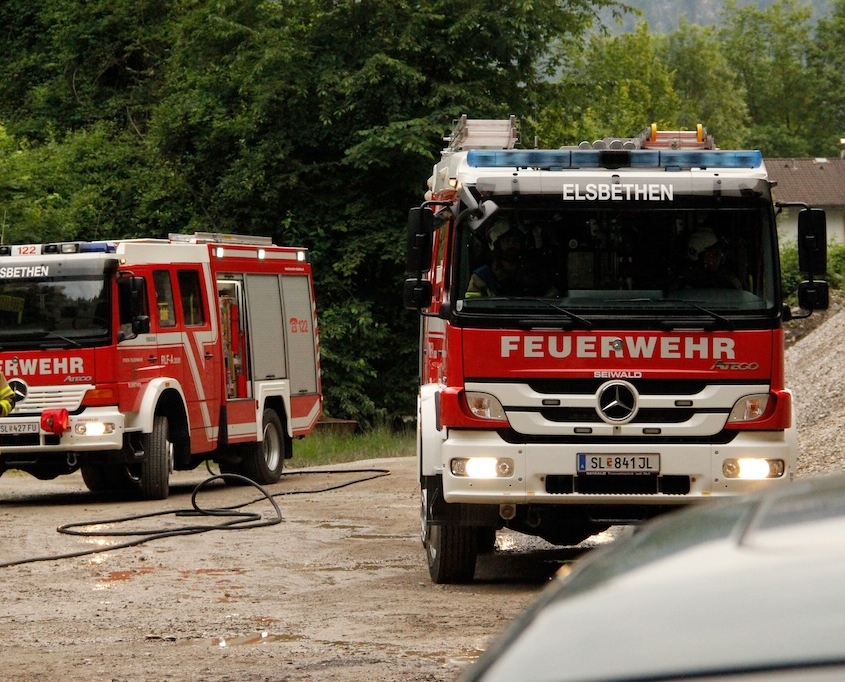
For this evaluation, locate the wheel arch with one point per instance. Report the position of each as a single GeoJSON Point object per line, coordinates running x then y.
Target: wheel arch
{"type": "Point", "coordinates": [277, 404]}
{"type": "Point", "coordinates": [161, 396]}
{"type": "Point", "coordinates": [429, 437]}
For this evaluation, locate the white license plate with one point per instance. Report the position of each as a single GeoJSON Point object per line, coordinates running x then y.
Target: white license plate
{"type": "Point", "coordinates": [12, 427]}
{"type": "Point", "coordinates": [628, 464]}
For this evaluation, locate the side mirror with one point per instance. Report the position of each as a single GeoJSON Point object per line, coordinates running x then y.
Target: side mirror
{"type": "Point", "coordinates": [141, 325]}
{"type": "Point", "coordinates": [138, 295]}
{"type": "Point", "coordinates": [812, 242]}
{"type": "Point", "coordinates": [417, 293]}
{"type": "Point", "coordinates": [420, 237]}
{"type": "Point", "coordinates": [813, 295]}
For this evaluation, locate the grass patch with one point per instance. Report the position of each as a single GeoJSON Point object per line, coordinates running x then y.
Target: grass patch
{"type": "Point", "coordinates": [325, 447]}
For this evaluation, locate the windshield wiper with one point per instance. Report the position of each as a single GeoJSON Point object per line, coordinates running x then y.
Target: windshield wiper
{"type": "Point", "coordinates": [568, 313]}
{"type": "Point", "coordinates": [56, 335]}
{"type": "Point", "coordinates": [489, 303]}
{"type": "Point", "coordinates": [716, 316]}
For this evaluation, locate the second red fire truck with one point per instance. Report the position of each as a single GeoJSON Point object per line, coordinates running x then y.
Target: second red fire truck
{"type": "Point", "coordinates": [134, 358]}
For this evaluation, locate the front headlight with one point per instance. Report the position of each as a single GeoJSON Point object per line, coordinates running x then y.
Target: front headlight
{"type": "Point", "coordinates": [93, 428]}
{"type": "Point", "coordinates": [482, 467]}
{"type": "Point", "coordinates": [753, 469]}
{"type": "Point", "coordinates": [485, 406]}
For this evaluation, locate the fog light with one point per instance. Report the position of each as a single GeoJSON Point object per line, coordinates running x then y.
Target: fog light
{"type": "Point", "coordinates": [482, 467]}
{"type": "Point", "coordinates": [752, 469]}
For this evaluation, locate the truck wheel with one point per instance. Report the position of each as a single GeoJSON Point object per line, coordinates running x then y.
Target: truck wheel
{"type": "Point", "coordinates": [106, 476]}
{"type": "Point", "coordinates": [231, 468]}
{"type": "Point", "coordinates": [486, 539]}
{"type": "Point", "coordinates": [451, 552]}
{"type": "Point", "coordinates": [154, 479]}
{"type": "Point", "coordinates": [263, 462]}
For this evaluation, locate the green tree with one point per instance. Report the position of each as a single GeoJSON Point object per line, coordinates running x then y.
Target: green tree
{"type": "Point", "coordinates": [315, 123]}
{"type": "Point", "coordinates": [708, 89]}
{"type": "Point", "coordinates": [768, 50]}
{"type": "Point", "coordinates": [616, 85]}
{"type": "Point", "coordinates": [826, 61]}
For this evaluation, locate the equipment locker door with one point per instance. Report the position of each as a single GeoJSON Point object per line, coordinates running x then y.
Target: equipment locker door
{"type": "Point", "coordinates": [267, 332]}
{"type": "Point", "coordinates": [300, 337]}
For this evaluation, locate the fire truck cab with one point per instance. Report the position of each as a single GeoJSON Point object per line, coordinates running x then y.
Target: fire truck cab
{"type": "Point", "coordinates": [601, 334]}
{"type": "Point", "coordinates": [134, 358]}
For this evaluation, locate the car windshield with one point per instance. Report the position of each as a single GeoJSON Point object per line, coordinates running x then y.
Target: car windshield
{"type": "Point", "coordinates": [612, 259]}
{"type": "Point", "coordinates": [39, 313]}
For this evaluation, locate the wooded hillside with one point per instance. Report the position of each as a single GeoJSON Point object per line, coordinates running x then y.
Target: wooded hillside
{"type": "Point", "coordinates": [318, 123]}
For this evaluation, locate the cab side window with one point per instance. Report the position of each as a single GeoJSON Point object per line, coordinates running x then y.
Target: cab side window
{"type": "Point", "coordinates": [164, 299]}
{"type": "Point", "coordinates": [190, 293]}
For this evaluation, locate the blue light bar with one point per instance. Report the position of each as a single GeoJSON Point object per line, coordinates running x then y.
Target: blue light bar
{"type": "Point", "coordinates": [520, 158]}
{"type": "Point", "coordinates": [98, 247]}
{"type": "Point", "coordinates": [710, 158]}
{"type": "Point", "coordinates": [552, 159]}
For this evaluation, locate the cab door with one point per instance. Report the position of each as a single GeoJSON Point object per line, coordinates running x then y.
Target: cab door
{"type": "Point", "coordinates": [201, 365]}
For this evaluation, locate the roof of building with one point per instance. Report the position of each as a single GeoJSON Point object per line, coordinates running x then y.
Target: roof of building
{"type": "Point", "coordinates": [818, 182]}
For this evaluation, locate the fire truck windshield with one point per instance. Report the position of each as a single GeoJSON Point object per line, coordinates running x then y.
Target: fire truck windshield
{"type": "Point", "coordinates": [39, 313]}
{"type": "Point", "coordinates": [686, 258]}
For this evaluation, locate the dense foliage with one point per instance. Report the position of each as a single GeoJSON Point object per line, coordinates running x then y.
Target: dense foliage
{"type": "Point", "coordinates": [317, 123]}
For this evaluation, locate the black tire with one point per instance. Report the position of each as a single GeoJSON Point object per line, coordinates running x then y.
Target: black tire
{"type": "Point", "coordinates": [231, 468]}
{"type": "Point", "coordinates": [154, 478]}
{"type": "Point", "coordinates": [451, 551]}
{"type": "Point", "coordinates": [263, 462]}
{"type": "Point", "coordinates": [106, 476]}
{"type": "Point", "coordinates": [486, 539]}
{"type": "Point", "coordinates": [94, 476]}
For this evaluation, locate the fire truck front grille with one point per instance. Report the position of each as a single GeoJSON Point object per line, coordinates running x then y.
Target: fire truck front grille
{"type": "Point", "coordinates": [515, 438]}
{"type": "Point", "coordinates": [40, 398]}
{"type": "Point", "coordinates": [645, 416]}
{"type": "Point", "coordinates": [644, 386]}
{"type": "Point", "coordinates": [617, 484]}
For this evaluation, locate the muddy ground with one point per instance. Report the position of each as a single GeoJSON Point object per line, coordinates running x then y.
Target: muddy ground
{"type": "Point", "coordinates": [338, 590]}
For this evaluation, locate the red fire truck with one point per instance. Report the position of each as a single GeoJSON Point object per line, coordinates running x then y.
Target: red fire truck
{"type": "Point", "coordinates": [134, 358]}
{"type": "Point", "coordinates": [602, 334]}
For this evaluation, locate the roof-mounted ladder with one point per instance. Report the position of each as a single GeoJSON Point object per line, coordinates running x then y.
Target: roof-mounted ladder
{"type": "Point", "coordinates": [482, 134]}
{"type": "Point", "coordinates": [652, 138]}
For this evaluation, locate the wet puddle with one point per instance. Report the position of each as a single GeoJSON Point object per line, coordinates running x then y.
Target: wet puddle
{"type": "Point", "coordinates": [263, 637]}
{"type": "Point", "coordinates": [260, 638]}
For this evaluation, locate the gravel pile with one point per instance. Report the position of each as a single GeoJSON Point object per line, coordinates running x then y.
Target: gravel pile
{"type": "Point", "coordinates": [815, 371]}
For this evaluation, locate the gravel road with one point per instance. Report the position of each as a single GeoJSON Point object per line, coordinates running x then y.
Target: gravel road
{"type": "Point", "coordinates": [815, 370]}
{"type": "Point", "coordinates": [337, 590]}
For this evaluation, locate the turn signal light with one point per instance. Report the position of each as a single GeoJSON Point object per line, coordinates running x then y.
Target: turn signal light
{"type": "Point", "coordinates": [485, 406]}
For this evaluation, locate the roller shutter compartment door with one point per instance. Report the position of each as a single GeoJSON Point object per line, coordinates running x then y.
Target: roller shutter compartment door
{"type": "Point", "coordinates": [300, 328]}
{"type": "Point", "coordinates": [266, 327]}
